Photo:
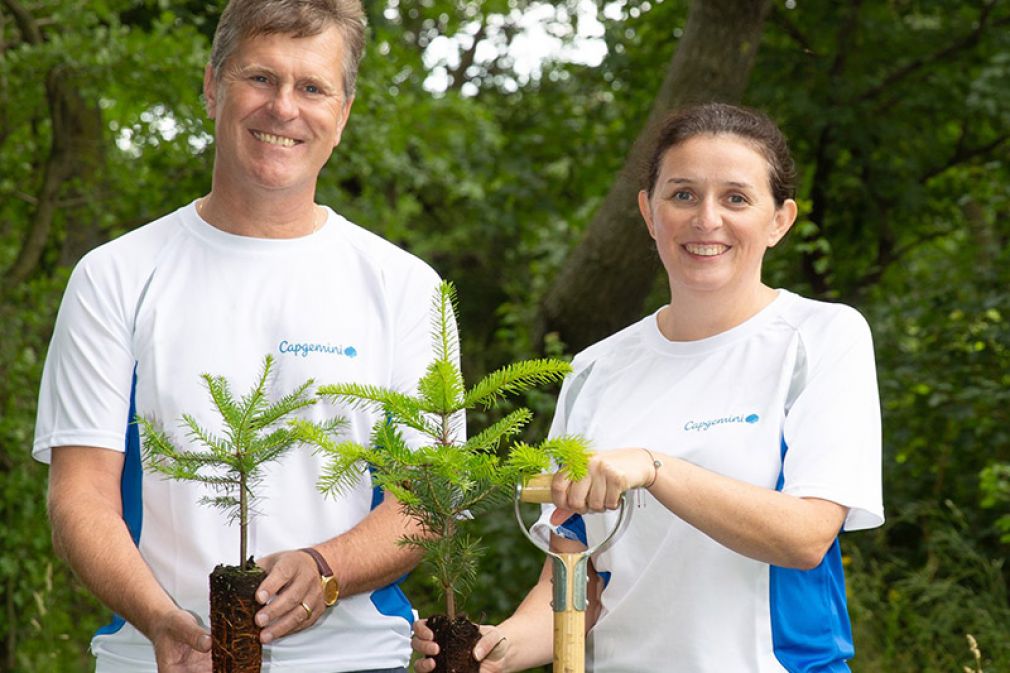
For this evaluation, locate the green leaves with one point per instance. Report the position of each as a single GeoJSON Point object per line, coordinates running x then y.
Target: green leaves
{"type": "Point", "coordinates": [256, 431]}
{"type": "Point", "coordinates": [516, 378]}
{"type": "Point", "coordinates": [446, 481]}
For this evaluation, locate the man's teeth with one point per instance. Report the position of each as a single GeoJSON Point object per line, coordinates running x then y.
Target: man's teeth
{"type": "Point", "coordinates": [706, 250]}
{"type": "Point", "coordinates": [274, 140]}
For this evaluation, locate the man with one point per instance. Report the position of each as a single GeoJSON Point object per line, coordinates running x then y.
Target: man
{"type": "Point", "coordinates": [253, 267]}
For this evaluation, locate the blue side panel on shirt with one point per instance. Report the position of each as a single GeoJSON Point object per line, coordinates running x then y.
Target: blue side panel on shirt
{"type": "Point", "coordinates": [377, 493]}
{"type": "Point", "coordinates": [809, 615]}
{"type": "Point", "coordinates": [573, 528]}
{"type": "Point", "coordinates": [390, 600]}
{"type": "Point", "coordinates": [131, 489]}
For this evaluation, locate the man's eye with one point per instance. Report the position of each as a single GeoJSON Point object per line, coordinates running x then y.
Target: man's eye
{"type": "Point", "coordinates": [259, 79]}
{"type": "Point", "coordinates": [312, 88]}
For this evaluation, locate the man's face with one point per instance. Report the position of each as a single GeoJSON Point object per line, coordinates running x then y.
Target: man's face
{"type": "Point", "coordinates": [279, 108]}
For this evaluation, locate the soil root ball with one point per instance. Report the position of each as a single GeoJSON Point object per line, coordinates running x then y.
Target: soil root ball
{"type": "Point", "coordinates": [233, 606]}
{"type": "Point", "coordinates": [456, 639]}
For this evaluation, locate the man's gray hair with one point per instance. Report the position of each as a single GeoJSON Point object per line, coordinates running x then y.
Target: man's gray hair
{"type": "Point", "coordinates": [243, 19]}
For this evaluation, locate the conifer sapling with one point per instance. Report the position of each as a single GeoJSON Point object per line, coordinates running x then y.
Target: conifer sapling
{"type": "Point", "coordinates": [446, 480]}
{"type": "Point", "coordinates": [256, 431]}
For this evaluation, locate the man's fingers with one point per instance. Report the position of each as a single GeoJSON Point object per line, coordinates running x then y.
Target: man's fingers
{"type": "Point", "coordinates": [186, 629]}
{"type": "Point", "coordinates": [202, 643]}
{"type": "Point", "coordinates": [298, 618]}
{"type": "Point", "coordinates": [291, 594]}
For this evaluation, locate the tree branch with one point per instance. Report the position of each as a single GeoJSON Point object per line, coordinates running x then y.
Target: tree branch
{"type": "Point", "coordinates": [810, 260]}
{"type": "Point", "coordinates": [467, 59]}
{"type": "Point", "coordinates": [876, 273]}
{"type": "Point", "coordinates": [5, 129]}
{"type": "Point", "coordinates": [58, 168]}
{"type": "Point", "coordinates": [27, 25]}
{"type": "Point", "coordinates": [964, 42]}
{"type": "Point", "coordinates": [963, 154]}
{"type": "Point", "coordinates": [781, 19]}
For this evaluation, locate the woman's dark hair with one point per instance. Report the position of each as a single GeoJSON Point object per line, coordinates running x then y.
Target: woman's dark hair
{"type": "Point", "coordinates": [719, 119]}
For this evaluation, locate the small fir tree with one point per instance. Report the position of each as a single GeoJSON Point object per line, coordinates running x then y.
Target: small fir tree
{"type": "Point", "coordinates": [256, 431]}
{"type": "Point", "coordinates": [446, 481]}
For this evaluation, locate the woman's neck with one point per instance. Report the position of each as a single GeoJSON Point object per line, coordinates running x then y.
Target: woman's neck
{"type": "Point", "coordinates": [690, 316]}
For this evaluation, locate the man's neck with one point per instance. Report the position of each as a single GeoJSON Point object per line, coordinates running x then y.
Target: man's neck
{"type": "Point", "coordinates": [261, 215]}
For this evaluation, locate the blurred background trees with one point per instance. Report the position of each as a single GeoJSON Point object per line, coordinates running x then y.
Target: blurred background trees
{"type": "Point", "coordinates": [509, 170]}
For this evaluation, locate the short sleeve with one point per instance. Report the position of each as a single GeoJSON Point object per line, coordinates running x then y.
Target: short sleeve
{"type": "Point", "coordinates": [542, 529]}
{"type": "Point", "coordinates": [85, 394]}
{"type": "Point", "coordinates": [832, 431]}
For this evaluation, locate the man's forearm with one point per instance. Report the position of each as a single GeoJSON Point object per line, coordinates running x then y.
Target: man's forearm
{"type": "Point", "coordinates": [368, 556]}
{"type": "Point", "coordinates": [85, 512]}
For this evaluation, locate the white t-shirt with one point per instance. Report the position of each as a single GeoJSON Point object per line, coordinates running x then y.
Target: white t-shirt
{"type": "Point", "coordinates": [788, 400]}
{"type": "Point", "coordinates": [144, 315]}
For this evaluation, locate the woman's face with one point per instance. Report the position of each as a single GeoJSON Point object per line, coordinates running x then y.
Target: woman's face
{"type": "Point", "coordinates": [712, 216]}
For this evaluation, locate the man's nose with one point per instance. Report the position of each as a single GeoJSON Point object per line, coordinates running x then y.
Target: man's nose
{"type": "Point", "coordinates": [283, 104]}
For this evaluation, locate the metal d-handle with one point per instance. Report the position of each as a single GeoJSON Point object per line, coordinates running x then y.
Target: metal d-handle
{"type": "Point", "coordinates": [571, 578]}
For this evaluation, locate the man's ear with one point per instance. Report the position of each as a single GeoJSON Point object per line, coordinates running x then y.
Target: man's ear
{"type": "Point", "coordinates": [209, 90]}
{"type": "Point", "coordinates": [785, 216]}
{"type": "Point", "coordinates": [345, 113]}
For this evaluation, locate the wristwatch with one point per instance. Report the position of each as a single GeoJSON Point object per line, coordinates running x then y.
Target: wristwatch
{"type": "Point", "coordinates": [331, 590]}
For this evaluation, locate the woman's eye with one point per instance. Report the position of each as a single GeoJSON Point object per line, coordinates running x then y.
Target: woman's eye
{"type": "Point", "coordinates": [737, 199]}
{"type": "Point", "coordinates": [682, 196]}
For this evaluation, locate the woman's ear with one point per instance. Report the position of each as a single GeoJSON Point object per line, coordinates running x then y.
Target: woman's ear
{"type": "Point", "coordinates": [645, 208]}
{"type": "Point", "coordinates": [785, 216]}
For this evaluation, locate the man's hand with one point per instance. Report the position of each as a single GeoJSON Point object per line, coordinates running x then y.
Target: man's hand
{"type": "Point", "coordinates": [491, 650]}
{"type": "Point", "coordinates": [181, 645]}
{"type": "Point", "coordinates": [291, 592]}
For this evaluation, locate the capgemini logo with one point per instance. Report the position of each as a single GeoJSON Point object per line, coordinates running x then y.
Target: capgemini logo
{"type": "Point", "coordinates": [702, 426]}
{"type": "Point", "coordinates": [304, 349]}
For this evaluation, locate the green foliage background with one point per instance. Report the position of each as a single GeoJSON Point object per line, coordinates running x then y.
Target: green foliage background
{"type": "Point", "coordinates": [899, 114]}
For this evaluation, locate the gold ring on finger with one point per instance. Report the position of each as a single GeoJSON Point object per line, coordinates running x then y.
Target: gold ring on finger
{"type": "Point", "coordinates": [308, 610]}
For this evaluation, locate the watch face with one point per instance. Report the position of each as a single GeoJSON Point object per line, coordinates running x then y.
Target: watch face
{"type": "Point", "coordinates": [330, 591]}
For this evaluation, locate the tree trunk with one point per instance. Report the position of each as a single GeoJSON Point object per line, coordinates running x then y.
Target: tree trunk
{"type": "Point", "coordinates": [605, 280]}
{"type": "Point", "coordinates": [76, 151]}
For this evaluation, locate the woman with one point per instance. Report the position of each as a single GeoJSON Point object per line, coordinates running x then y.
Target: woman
{"type": "Point", "coordinates": [754, 425]}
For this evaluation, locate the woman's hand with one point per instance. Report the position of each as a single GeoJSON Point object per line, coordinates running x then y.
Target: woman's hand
{"type": "Point", "coordinates": [611, 473]}
{"type": "Point", "coordinates": [491, 650]}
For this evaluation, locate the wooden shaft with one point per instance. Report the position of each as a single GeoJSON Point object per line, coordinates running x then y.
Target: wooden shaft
{"type": "Point", "coordinates": [570, 613]}
{"type": "Point", "coordinates": [537, 489]}
{"type": "Point", "coordinates": [570, 642]}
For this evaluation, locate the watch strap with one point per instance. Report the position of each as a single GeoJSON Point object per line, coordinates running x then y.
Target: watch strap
{"type": "Point", "coordinates": [324, 567]}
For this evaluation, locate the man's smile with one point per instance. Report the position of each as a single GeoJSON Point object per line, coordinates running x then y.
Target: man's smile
{"type": "Point", "coordinates": [274, 139]}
